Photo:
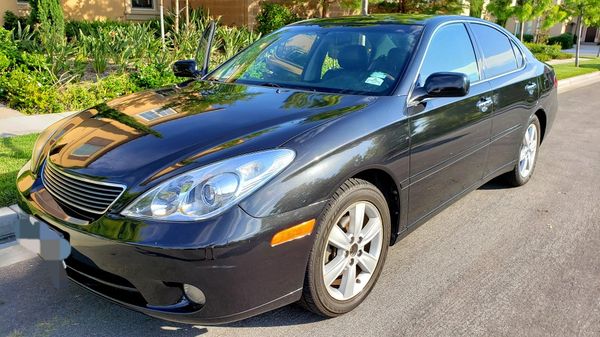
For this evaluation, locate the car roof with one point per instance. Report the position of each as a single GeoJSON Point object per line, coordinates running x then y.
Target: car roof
{"type": "Point", "coordinates": [379, 19]}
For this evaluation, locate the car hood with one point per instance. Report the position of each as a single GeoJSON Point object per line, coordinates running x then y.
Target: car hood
{"type": "Point", "coordinates": [140, 137]}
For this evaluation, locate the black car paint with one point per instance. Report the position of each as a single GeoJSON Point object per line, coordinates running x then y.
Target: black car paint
{"type": "Point", "coordinates": [420, 169]}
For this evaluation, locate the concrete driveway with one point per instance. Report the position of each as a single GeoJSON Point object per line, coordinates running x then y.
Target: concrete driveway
{"type": "Point", "coordinates": [500, 262]}
{"type": "Point", "coordinates": [588, 49]}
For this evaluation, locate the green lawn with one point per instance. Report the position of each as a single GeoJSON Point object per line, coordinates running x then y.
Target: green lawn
{"type": "Point", "coordinates": [14, 153]}
{"type": "Point", "coordinates": [569, 70]}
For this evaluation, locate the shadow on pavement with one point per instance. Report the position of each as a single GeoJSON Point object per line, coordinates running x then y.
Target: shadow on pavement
{"type": "Point", "coordinates": [497, 183]}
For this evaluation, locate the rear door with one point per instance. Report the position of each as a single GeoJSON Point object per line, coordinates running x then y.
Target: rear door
{"type": "Point", "coordinates": [515, 93]}
{"type": "Point", "coordinates": [449, 136]}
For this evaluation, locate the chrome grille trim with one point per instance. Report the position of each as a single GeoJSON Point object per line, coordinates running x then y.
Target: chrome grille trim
{"type": "Point", "coordinates": [80, 193]}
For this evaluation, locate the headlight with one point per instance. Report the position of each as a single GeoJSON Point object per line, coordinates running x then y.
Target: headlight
{"type": "Point", "coordinates": [208, 191]}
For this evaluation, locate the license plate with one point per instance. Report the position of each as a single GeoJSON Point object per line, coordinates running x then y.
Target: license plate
{"type": "Point", "coordinates": [38, 237]}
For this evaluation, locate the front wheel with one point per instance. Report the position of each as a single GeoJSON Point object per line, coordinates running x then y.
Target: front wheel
{"type": "Point", "coordinates": [528, 152]}
{"type": "Point", "coordinates": [349, 250]}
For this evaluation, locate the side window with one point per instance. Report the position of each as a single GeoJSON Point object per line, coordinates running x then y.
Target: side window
{"type": "Point", "coordinates": [518, 55]}
{"type": "Point", "coordinates": [497, 50]}
{"type": "Point", "coordinates": [450, 50]}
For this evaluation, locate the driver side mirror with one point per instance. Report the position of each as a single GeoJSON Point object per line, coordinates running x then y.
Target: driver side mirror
{"type": "Point", "coordinates": [443, 84]}
{"type": "Point", "coordinates": [186, 68]}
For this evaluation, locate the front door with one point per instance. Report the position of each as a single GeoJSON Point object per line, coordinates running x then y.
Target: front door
{"type": "Point", "coordinates": [449, 136]}
{"type": "Point", "coordinates": [515, 94]}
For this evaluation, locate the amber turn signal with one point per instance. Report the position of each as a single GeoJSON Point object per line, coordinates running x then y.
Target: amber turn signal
{"type": "Point", "coordinates": [293, 233]}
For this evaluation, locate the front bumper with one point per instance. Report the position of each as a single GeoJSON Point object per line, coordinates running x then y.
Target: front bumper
{"type": "Point", "coordinates": [143, 266]}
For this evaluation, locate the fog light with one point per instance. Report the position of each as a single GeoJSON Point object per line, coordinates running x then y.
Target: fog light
{"type": "Point", "coordinates": [194, 294]}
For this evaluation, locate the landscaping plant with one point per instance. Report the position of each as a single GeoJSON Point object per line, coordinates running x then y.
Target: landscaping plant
{"type": "Point", "coordinates": [97, 61]}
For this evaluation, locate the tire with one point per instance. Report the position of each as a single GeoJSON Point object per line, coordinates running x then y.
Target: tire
{"type": "Point", "coordinates": [341, 296]}
{"type": "Point", "coordinates": [525, 167]}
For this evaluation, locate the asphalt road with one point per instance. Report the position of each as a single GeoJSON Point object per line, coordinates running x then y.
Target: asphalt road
{"type": "Point", "coordinates": [500, 262]}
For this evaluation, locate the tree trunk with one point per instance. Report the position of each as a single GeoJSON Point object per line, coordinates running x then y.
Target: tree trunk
{"type": "Point", "coordinates": [537, 30]}
{"type": "Point", "coordinates": [187, 12]}
{"type": "Point", "coordinates": [176, 16]}
{"type": "Point", "coordinates": [402, 6]}
{"type": "Point", "coordinates": [162, 24]}
{"type": "Point", "coordinates": [324, 8]}
{"type": "Point", "coordinates": [578, 41]}
{"type": "Point", "coordinates": [522, 23]}
{"type": "Point", "coordinates": [364, 7]}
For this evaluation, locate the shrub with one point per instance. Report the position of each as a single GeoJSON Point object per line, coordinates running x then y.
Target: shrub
{"type": "Point", "coordinates": [8, 47]}
{"type": "Point", "coordinates": [544, 52]}
{"type": "Point", "coordinates": [25, 92]}
{"type": "Point", "coordinates": [12, 20]}
{"type": "Point", "coordinates": [48, 77]}
{"type": "Point", "coordinates": [83, 95]}
{"type": "Point", "coordinates": [49, 15]}
{"type": "Point", "coordinates": [273, 16]}
{"type": "Point", "coordinates": [565, 40]}
{"type": "Point", "coordinates": [153, 76]}
{"type": "Point", "coordinates": [74, 28]}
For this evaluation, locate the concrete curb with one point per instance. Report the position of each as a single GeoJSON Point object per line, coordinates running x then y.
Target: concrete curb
{"type": "Point", "coordinates": [569, 84]}
{"type": "Point", "coordinates": [8, 221]}
{"type": "Point", "coordinates": [563, 61]}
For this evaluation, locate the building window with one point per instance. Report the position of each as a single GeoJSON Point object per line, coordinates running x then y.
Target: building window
{"type": "Point", "coordinates": [142, 4]}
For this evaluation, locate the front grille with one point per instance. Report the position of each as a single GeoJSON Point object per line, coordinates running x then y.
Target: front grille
{"type": "Point", "coordinates": [80, 193]}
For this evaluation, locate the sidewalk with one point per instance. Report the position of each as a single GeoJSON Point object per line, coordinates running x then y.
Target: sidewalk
{"type": "Point", "coordinates": [13, 123]}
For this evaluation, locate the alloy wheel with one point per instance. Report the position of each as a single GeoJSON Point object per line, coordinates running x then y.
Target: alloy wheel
{"type": "Point", "coordinates": [528, 151]}
{"type": "Point", "coordinates": [353, 250]}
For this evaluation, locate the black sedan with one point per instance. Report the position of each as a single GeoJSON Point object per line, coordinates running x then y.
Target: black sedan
{"type": "Point", "coordinates": [286, 173]}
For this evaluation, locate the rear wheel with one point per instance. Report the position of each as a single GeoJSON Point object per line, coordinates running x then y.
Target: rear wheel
{"type": "Point", "coordinates": [528, 152]}
{"type": "Point", "coordinates": [349, 251]}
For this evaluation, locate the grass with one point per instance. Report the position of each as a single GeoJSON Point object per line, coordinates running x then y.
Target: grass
{"type": "Point", "coordinates": [14, 153]}
{"type": "Point", "coordinates": [569, 70]}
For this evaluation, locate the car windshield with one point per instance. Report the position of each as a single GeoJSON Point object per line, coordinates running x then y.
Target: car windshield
{"type": "Point", "coordinates": [365, 60]}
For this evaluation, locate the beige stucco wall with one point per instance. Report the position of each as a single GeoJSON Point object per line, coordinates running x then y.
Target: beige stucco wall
{"type": "Point", "coordinates": [94, 9]}
{"type": "Point", "coordinates": [232, 12]}
{"type": "Point", "coordinates": [557, 29]}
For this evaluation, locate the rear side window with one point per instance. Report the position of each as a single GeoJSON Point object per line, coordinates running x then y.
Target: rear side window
{"type": "Point", "coordinates": [518, 55]}
{"type": "Point", "coordinates": [450, 50]}
{"type": "Point", "coordinates": [498, 54]}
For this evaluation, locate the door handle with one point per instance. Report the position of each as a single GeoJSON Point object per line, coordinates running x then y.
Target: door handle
{"type": "Point", "coordinates": [531, 88]}
{"type": "Point", "coordinates": [484, 104]}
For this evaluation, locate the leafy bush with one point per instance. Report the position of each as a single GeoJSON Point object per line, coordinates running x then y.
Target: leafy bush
{"type": "Point", "coordinates": [565, 40]}
{"type": "Point", "coordinates": [99, 61]}
{"type": "Point", "coordinates": [153, 76]}
{"type": "Point", "coordinates": [49, 16]}
{"type": "Point", "coordinates": [74, 28]}
{"type": "Point", "coordinates": [12, 20]}
{"type": "Point", "coordinates": [273, 16]}
{"type": "Point", "coordinates": [234, 39]}
{"type": "Point", "coordinates": [83, 95]}
{"type": "Point", "coordinates": [544, 52]}
{"type": "Point", "coordinates": [28, 93]}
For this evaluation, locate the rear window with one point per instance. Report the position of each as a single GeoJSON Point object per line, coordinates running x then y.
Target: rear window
{"type": "Point", "coordinates": [498, 54]}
